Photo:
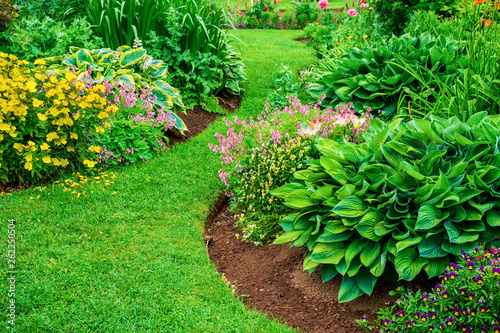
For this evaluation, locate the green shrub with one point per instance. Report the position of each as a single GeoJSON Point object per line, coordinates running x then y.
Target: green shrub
{"type": "Point", "coordinates": [466, 300]}
{"type": "Point", "coordinates": [7, 14]}
{"type": "Point", "coordinates": [198, 70]}
{"type": "Point", "coordinates": [60, 10]}
{"type": "Point", "coordinates": [396, 13]}
{"type": "Point", "coordinates": [374, 76]}
{"type": "Point", "coordinates": [282, 89]}
{"type": "Point", "coordinates": [410, 198]}
{"type": "Point", "coordinates": [33, 38]}
{"type": "Point", "coordinates": [306, 13]}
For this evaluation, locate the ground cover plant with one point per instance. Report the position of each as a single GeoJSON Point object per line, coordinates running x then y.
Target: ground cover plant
{"type": "Point", "coordinates": [465, 300]}
{"type": "Point", "coordinates": [408, 200]}
{"type": "Point", "coordinates": [142, 241]}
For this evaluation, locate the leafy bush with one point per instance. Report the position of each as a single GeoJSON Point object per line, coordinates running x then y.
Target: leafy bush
{"type": "Point", "coordinates": [260, 15]}
{"type": "Point", "coordinates": [197, 68]}
{"type": "Point", "coordinates": [466, 300]}
{"type": "Point", "coordinates": [130, 66]}
{"type": "Point", "coordinates": [33, 38]}
{"type": "Point", "coordinates": [306, 13]}
{"type": "Point", "coordinates": [396, 13]}
{"type": "Point", "coordinates": [258, 156]}
{"type": "Point", "coordinates": [60, 10]}
{"type": "Point", "coordinates": [375, 77]}
{"type": "Point", "coordinates": [283, 88]}
{"type": "Point", "coordinates": [409, 199]}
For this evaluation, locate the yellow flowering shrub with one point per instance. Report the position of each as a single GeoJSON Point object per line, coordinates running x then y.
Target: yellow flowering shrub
{"type": "Point", "coordinates": [46, 121]}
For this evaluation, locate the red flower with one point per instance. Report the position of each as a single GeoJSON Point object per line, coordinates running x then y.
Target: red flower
{"type": "Point", "coordinates": [265, 8]}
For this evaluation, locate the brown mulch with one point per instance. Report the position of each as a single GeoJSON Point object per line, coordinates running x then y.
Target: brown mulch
{"type": "Point", "coordinates": [270, 278]}
{"type": "Point", "coordinates": [197, 120]}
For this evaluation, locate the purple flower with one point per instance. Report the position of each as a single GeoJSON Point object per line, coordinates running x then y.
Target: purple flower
{"type": "Point", "coordinates": [408, 324]}
{"type": "Point", "coordinates": [431, 328]}
{"type": "Point", "coordinates": [401, 313]}
{"type": "Point", "coordinates": [471, 296]}
{"type": "Point", "coordinates": [425, 297]}
{"type": "Point", "coordinates": [453, 267]}
{"type": "Point", "coordinates": [449, 321]}
{"type": "Point", "coordinates": [417, 315]}
{"type": "Point", "coordinates": [433, 315]}
{"type": "Point", "coordinates": [478, 280]}
{"type": "Point", "coordinates": [424, 317]}
{"type": "Point", "coordinates": [462, 291]}
{"type": "Point", "coordinates": [445, 294]}
{"type": "Point", "coordinates": [386, 322]}
{"type": "Point", "coordinates": [483, 329]}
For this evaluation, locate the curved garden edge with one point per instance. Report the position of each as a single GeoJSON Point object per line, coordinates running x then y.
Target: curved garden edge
{"type": "Point", "coordinates": [271, 279]}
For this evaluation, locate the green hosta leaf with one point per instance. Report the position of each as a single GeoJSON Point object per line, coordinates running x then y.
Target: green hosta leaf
{"type": "Point", "coordinates": [354, 267]}
{"type": "Point", "coordinates": [428, 217]}
{"type": "Point", "coordinates": [303, 239]}
{"type": "Point", "coordinates": [328, 272]}
{"type": "Point", "coordinates": [379, 139]}
{"type": "Point", "coordinates": [435, 267]}
{"type": "Point", "coordinates": [309, 263]}
{"type": "Point", "coordinates": [366, 281]}
{"type": "Point", "coordinates": [456, 248]}
{"type": "Point", "coordinates": [473, 214]}
{"type": "Point", "coordinates": [459, 214]}
{"type": "Point", "coordinates": [378, 266]}
{"type": "Point", "coordinates": [430, 247]}
{"type": "Point", "coordinates": [288, 237]}
{"type": "Point", "coordinates": [493, 218]}
{"type": "Point", "coordinates": [381, 229]}
{"type": "Point", "coordinates": [393, 157]}
{"type": "Point", "coordinates": [350, 207]}
{"type": "Point", "coordinates": [483, 208]}
{"type": "Point", "coordinates": [356, 247]}
{"type": "Point", "coordinates": [408, 264]}
{"type": "Point", "coordinates": [300, 199]}
{"type": "Point", "coordinates": [83, 56]}
{"type": "Point", "coordinates": [286, 189]}
{"type": "Point", "coordinates": [475, 226]}
{"type": "Point", "coordinates": [366, 227]}
{"type": "Point", "coordinates": [458, 237]}
{"type": "Point", "coordinates": [401, 245]}
{"type": "Point", "coordinates": [369, 254]}
{"type": "Point", "coordinates": [345, 191]}
{"type": "Point", "coordinates": [328, 257]}
{"type": "Point", "coordinates": [349, 290]}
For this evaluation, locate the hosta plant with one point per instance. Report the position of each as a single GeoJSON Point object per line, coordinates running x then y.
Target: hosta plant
{"type": "Point", "coordinates": [130, 66]}
{"type": "Point", "coordinates": [467, 299]}
{"type": "Point", "coordinates": [371, 76]}
{"type": "Point", "coordinates": [407, 200]}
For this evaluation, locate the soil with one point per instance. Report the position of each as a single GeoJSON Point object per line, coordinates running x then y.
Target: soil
{"type": "Point", "coordinates": [270, 279]}
{"type": "Point", "coordinates": [197, 120]}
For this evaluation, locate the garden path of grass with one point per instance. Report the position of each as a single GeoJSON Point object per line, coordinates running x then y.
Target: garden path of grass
{"type": "Point", "coordinates": [130, 257]}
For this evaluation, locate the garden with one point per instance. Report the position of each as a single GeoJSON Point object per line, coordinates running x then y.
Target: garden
{"type": "Point", "coordinates": [250, 166]}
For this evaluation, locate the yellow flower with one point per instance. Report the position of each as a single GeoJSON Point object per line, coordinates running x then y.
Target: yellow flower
{"type": "Point", "coordinates": [1, 137]}
{"type": "Point", "coordinates": [70, 149]}
{"type": "Point", "coordinates": [79, 85]}
{"type": "Point", "coordinates": [44, 146]}
{"type": "Point", "coordinates": [64, 162]}
{"type": "Point", "coordinates": [31, 85]}
{"type": "Point", "coordinates": [52, 136]}
{"type": "Point", "coordinates": [39, 62]}
{"type": "Point", "coordinates": [28, 166]}
{"type": "Point", "coordinates": [46, 159]}
{"type": "Point", "coordinates": [365, 36]}
{"type": "Point", "coordinates": [111, 109]}
{"type": "Point", "coordinates": [90, 164]}
{"type": "Point", "coordinates": [95, 149]}
{"type": "Point", "coordinates": [103, 115]}
{"type": "Point", "coordinates": [40, 77]}
{"type": "Point", "coordinates": [99, 129]}
{"type": "Point", "coordinates": [37, 103]}
{"type": "Point", "coordinates": [73, 135]}
{"type": "Point", "coordinates": [42, 117]}
{"type": "Point", "coordinates": [18, 146]}
{"type": "Point", "coordinates": [349, 37]}
{"type": "Point", "coordinates": [29, 157]}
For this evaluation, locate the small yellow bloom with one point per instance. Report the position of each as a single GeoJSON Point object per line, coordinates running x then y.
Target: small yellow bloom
{"type": "Point", "coordinates": [103, 115]}
{"type": "Point", "coordinates": [42, 116]}
{"type": "Point", "coordinates": [365, 36]}
{"type": "Point", "coordinates": [95, 149]}
{"type": "Point", "coordinates": [39, 62]}
{"type": "Point", "coordinates": [52, 136]}
{"type": "Point", "coordinates": [70, 149]}
{"type": "Point", "coordinates": [18, 146]}
{"type": "Point", "coordinates": [31, 85]}
{"type": "Point", "coordinates": [73, 135]}
{"type": "Point", "coordinates": [99, 129]}
{"type": "Point", "coordinates": [37, 103]}
{"type": "Point", "coordinates": [44, 146]}
{"type": "Point", "coordinates": [28, 166]}
{"type": "Point", "coordinates": [89, 163]}
{"type": "Point", "coordinates": [47, 159]}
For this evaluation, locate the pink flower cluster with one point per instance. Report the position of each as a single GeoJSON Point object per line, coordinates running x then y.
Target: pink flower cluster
{"type": "Point", "coordinates": [323, 4]}
{"type": "Point", "coordinates": [275, 126]}
{"type": "Point", "coordinates": [352, 11]}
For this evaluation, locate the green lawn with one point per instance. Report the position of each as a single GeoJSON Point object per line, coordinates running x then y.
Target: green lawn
{"type": "Point", "coordinates": [285, 4]}
{"type": "Point", "coordinates": [130, 257]}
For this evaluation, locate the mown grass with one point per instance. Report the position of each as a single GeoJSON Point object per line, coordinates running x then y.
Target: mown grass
{"type": "Point", "coordinates": [285, 4]}
{"type": "Point", "coordinates": [129, 255]}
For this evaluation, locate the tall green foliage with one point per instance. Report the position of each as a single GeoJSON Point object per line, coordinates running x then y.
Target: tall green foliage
{"type": "Point", "coordinates": [407, 200]}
